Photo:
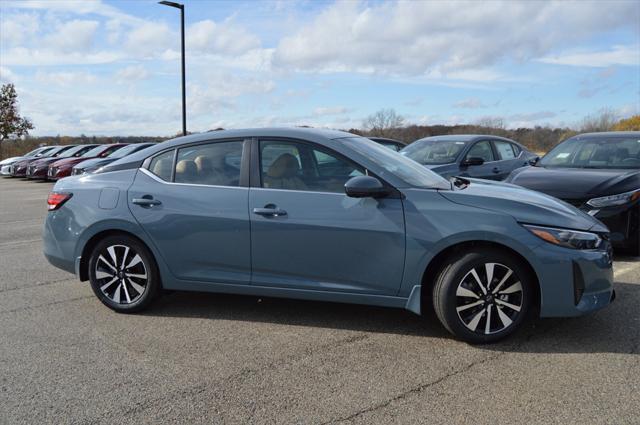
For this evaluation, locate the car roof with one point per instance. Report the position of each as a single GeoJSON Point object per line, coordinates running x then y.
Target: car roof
{"type": "Point", "coordinates": [466, 137]}
{"type": "Point", "coordinates": [607, 134]}
{"type": "Point", "coordinates": [385, 139]}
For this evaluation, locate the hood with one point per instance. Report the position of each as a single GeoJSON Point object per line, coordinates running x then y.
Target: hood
{"type": "Point", "coordinates": [43, 161]}
{"type": "Point", "coordinates": [95, 162]}
{"type": "Point", "coordinates": [69, 162]}
{"type": "Point", "coordinates": [526, 206]}
{"type": "Point", "coordinates": [576, 183]}
{"type": "Point", "coordinates": [11, 160]}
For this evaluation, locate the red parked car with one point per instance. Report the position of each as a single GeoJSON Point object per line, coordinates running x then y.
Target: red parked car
{"type": "Point", "coordinates": [19, 169]}
{"type": "Point", "coordinates": [38, 169]}
{"type": "Point", "coordinates": [63, 167]}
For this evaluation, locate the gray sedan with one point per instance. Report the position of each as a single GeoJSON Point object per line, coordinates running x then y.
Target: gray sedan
{"type": "Point", "coordinates": [470, 155]}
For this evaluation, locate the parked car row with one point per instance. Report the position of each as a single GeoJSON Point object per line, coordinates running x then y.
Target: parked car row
{"type": "Point", "coordinates": [598, 172]}
{"type": "Point", "coordinates": [326, 215]}
{"type": "Point", "coordinates": [56, 162]}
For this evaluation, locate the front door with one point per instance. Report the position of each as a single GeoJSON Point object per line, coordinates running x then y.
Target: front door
{"type": "Point", "coordinates": [307, 234]}
{"type": "Point", "coordinates": [490, 169]}
{"type": "Point", "coordinates": [192, 205]}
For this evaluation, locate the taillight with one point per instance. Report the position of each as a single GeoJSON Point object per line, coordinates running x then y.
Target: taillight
{"type": "Point", "coordinates": [57, 199]}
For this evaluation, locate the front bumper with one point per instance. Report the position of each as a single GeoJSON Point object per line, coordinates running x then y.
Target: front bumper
{"type": "Point", "coordinates": [19, 171]}
{"type": "Point", "coordinates": [623, 223]}
{"type": "Point", "coordinates": [573, 282]}
{"type": "Point", "coordinates": [5, 170]}
{"type": "Point", "coordinates": [34, 172]}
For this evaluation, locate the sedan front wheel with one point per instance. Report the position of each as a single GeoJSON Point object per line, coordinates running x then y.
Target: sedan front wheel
{"type": "Point", "coordinates": [483, 295]}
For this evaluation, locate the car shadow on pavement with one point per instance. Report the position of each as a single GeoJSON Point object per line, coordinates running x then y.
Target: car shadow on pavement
{"type": "Point", "coordinates": [615, 329]}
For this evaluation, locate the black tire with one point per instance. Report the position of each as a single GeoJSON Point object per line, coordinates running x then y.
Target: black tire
{"type": "Point", "coordinates": [116, 265]}
{"type": "Point", "coordinates": [457, 288]}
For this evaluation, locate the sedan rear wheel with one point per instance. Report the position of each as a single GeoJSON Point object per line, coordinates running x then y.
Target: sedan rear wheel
{"type": "Point", "coordinates": [123, 274]}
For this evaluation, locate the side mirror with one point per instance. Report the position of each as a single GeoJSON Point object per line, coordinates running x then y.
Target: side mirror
{"type": "Point", "coordinates": [365, 187]}
{"type": "Point", "coordinates": [534, 161]}
{"type": "Point", "coordinates": [474, 160]}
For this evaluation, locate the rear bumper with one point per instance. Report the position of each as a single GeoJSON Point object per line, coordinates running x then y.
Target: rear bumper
{"type": "Point", "coordinates": [573, 282]}
{"type": "Point", "coordinates": [57, 249]}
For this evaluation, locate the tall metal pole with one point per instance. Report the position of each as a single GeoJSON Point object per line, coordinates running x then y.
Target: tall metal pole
{"type": "Point", "coordinates": [184, 88]}
{"type": "Point", "coordinates": [184, 93]}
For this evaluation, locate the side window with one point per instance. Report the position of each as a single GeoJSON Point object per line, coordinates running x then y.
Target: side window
{"type": "Point", "coordinates": [516, 149]}
{"type": "Point", "coordinates": [505, 149]}
{"type": "Point", "coordinates": [162, 165]}
{"type": "Point", "coordinates": [299, 166]}
{"type": "Point", "coordinates": [216, 164]}
{"type": "Point", "coordinates": [110, 151]}
{"type": "Point", "coordinates": [482, 150]}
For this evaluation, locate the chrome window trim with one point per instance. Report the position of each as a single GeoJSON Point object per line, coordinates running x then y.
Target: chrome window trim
{"type": "Point", "coordinates": [159, 180]}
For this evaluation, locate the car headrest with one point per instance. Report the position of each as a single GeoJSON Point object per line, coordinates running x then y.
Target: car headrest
{"type": "Point", "coordinates": [285, 166]}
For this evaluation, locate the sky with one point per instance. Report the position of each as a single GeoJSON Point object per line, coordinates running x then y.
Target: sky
{"type": "Point", "coordinates": [113, 67]}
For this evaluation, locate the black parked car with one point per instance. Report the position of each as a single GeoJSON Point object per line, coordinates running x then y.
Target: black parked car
{"type": "Point", "coordinates": [600, 174]}
{"type": "Point", "coordinates": [470, 155]}
{"type": "Point", "coordinates": [396, 145]}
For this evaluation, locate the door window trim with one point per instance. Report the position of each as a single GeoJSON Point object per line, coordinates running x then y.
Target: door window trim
{"type": "Point", "coordinates": [244, 162]}
{"type": "Point", "coordinates": [491, 145]}
{"type": "Point", "coordinates": [256, 165]}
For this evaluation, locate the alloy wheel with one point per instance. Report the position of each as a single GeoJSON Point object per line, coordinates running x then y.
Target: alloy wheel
{"type": "Point", "coordinates": [121, 274]}
{"type": "Point", "coordinates": [489, 298]}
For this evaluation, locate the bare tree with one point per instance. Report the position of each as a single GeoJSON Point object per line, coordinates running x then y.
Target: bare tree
{"type": "Point", "coordinates": [12, 125]}
{"type": "Point", "coordinates": [383, 123]}
{"type": "Point", "coordinates": [604, 120]}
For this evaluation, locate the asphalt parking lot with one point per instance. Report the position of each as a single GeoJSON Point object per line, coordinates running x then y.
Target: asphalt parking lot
{"type": "Point", "coordinates": [206, 358]}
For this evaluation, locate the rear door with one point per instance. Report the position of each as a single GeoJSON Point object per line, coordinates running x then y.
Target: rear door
{"type": "Point", "coordinates": [192, 202]}
{"type": "Point", "coordinates": [508, 159]}
{"type": "Point", "coordinates": [307, 234]}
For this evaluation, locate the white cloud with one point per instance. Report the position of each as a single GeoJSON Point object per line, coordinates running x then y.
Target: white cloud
{"type": "Point", "coordinates": [21, 56]}
{"type": "Point", "coordinates": [6, 75]}
{"type": "Point", "coordinates": [331, 110]}
{"type": "Point", "coordinates": [65, 78]}
{"type": "Point", "coordinates": [470, 103]}
{"type": "Point", "coordinates": [149, 39]}
{"type": "Point", "coordinates": [131, 73]}
{"type": "Point", "coordinates": [415, 38]}
{"type": "Point", "coordinates": [617, 55]}
{"type": "Point", "coordinates": [222, 39]}
{"type": "Point", "coordinates": [73, 36]}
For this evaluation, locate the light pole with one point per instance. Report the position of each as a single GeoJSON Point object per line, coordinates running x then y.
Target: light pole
{"type": "Point", "coordinates": [184, 95]}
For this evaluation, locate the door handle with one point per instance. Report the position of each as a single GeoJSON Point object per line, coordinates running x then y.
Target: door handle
{"type": "Point", "coordinates": [269, 210]}
{"type": "Point", "coordinates": [145, 201]}
{"type": "Point", "coordinates": [496, 170]}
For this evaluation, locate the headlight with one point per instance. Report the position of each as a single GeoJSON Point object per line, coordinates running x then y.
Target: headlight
{"type": "Point", "coordinates": [566, 238]}
{"type": "Point", "coordinates": [613, 200]}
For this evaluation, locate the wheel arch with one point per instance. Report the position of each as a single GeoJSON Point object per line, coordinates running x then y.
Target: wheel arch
{"type": "Point", "coordinates": [439, 261]}
{"type": "Point", "coordinates": [83, 269]}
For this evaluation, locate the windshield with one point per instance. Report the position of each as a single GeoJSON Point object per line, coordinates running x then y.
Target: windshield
{"type": "Point", "coordinates": [122, 152]}
{"type": "Point", "coordinates": [605, 152]}
{"type": "Point", "coordinates": [57, 151]}
{"type": "Point", "coordinates": [91, 153]}
{"type": "Point", "coordinates": [35, 151]}
{"type": "Point", "coordinates": [393, 163]}
{"type": "Point", "coordinates": [433, 152]}
{"type": "Point", "coordinates": [76, 151]}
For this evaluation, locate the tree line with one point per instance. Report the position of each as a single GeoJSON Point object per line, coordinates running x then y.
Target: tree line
{"type": "Point", "coordinates": [15, 139]}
